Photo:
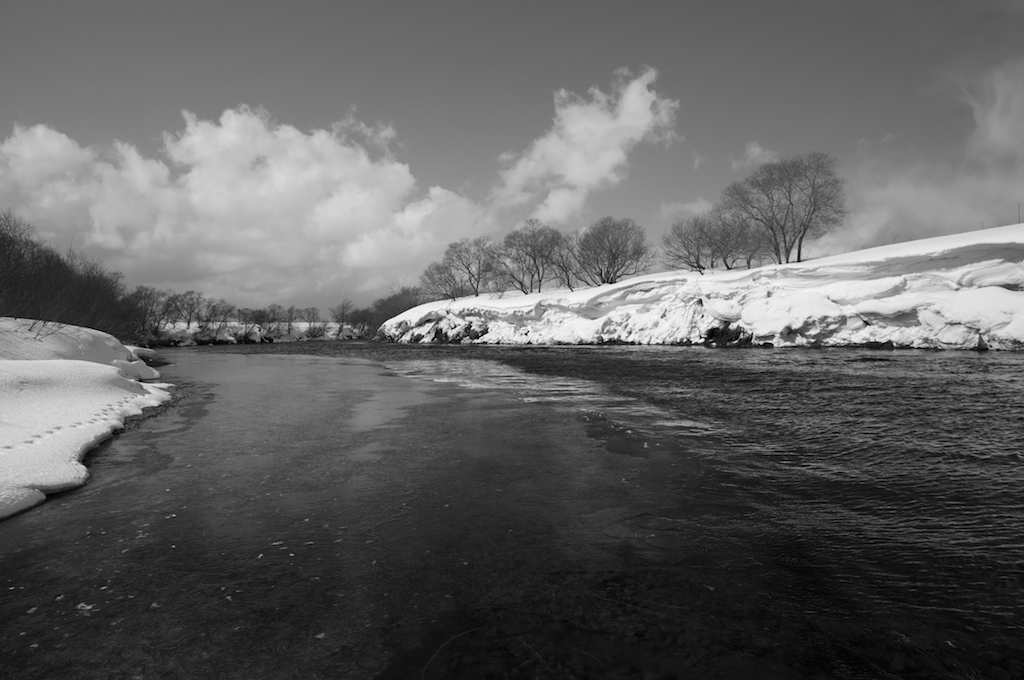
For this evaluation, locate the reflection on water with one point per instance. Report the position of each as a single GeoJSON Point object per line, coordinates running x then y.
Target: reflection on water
{"type": "Point", "coordinates": [377, 410]}
{"type": "Point", "coordinates": [586, 395]}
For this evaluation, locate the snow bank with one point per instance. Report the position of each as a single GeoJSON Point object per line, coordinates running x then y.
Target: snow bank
{"type": "Point", "coordinates": [63, 390]}
{"type": "Point", "coordinates": [180, 334]}
{"type": "Point", "coordinates": [31, 339]}
{"type": "Point", "coordinates": [953, 292]}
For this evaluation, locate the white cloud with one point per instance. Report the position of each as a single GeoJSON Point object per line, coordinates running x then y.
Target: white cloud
{"type": "Point", "coordinates": [753, 155]}
{"type": "Point", "coordinates": [587, 147]}
{"type": "Point", "coordinates": [38, 155]}
{"type": "Point", "coordinates": [678, 210]}
{"type": "Point", "coordinates": [244, 208]}
{"type": "Point", "coordinates": [256, 211]}
{"type": "Point", "coordinates": [379, 135]}
{"type": "Point", "coordinates": [892, 201]}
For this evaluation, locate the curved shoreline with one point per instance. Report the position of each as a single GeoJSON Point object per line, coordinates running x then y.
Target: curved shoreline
{"type": "Point", "coordinates": [64, 390]}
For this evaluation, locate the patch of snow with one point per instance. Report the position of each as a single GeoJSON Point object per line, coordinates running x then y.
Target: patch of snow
{"type": "Point", "coordinates": [63, 390]}
{"type": "Point", "coordinates": [31, 339]}
{"type": "Point", "coordinates": [953, 292]}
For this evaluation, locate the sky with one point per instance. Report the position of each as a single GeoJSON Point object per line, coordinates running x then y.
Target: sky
{"type": "Point", "coordinates": [305, 152]}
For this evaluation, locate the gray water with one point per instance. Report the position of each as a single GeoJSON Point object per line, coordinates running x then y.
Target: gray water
{"type": "Point", "coordinates": [895, 481]}
{"type": "Point", "coordinates": [872, 496]}
{"type": "Point", "coordinates": [388, 511]}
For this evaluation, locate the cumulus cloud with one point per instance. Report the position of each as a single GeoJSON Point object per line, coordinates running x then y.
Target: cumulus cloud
{"type": "Point", "coordinates": [982, 187]}
{"type": "Point", "coordinates": [587, 147]}
{"type": "Point", "coordinates": [256, 211]}
{"type": "Point", "coordinates": [242, 207]}
{"type": "Point", "coordinates": [678, 210]}
{"type": "Point", "coordinates": [754, 154]}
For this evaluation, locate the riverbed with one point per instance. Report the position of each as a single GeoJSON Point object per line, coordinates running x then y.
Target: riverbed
{"type": "Point", "coordinates": [337, 510]}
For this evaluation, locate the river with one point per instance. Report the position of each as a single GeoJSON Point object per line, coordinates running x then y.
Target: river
{"type": "Point", "coordinates": [357, 510]}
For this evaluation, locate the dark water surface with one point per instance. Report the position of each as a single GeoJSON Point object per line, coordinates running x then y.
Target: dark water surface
{"type": "Point", "coordinates": [390, 511]}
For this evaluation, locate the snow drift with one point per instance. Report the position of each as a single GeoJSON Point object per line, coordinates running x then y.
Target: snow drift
{"type": "Point", "coordinates": [962, 291]}
{"type": "Point", "coordinates": [63, 390]}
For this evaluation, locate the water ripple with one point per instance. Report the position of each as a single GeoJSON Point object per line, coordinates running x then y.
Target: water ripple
{"type": "Point", "coordinates": [892, 481]}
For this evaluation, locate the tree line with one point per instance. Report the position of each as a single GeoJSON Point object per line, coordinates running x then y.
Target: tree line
{"type": "Point", "coordinates": [768, 216]}
{"type": "Point", "coordinates": [536, 255]}
{"type": "Point", "coordinates": [37, 281]}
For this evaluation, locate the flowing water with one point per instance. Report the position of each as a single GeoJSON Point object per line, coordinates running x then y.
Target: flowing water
{"type": "Point", "coordinates": [877, 494]}
{"type": "Point", "coordinates": [729, 514]}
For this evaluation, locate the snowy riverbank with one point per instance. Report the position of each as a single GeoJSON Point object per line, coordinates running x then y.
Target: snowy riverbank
{"type": "Point", "coordinates": [63, 390]}
{"type": "Point", "coordinates": [962, 291]}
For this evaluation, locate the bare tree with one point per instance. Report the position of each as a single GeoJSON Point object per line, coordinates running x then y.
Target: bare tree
{"type": "Point", "coordinates": [466, 269]}
{"type": "Point", "coordinates": [273, 316]}
{"type": "Point", "coordinates": [340, 311]}
{"type": "Point", "coordinates": [718, 237]}
{"type": "Point", "coordinates": [688, 244]}
{"type": "Point", "coordinates": [611, 249]}
{"type": "Point", "coordinates": [441, 280]}
{"type": "Point", "coordinates": [291, 315]}
{"type": "Point", "coordinates": [149, 311]}
{"type": "Point", "coordinates": [736, 239]}
{"type": "Point", "coordinates": [526, 256]}
{"type": "Point", "coordinates": [16, 249]}
{"type": "Point", "coordinates": [397, 301]}
{"type": "Point", "coordinates": [39, 282]}
{"type": "Point", "coordinates": [472, 262]}
{"type": "Point", "coordinates": [362, 321]}
{"type": "Point", "coordinates": [250, 319]}
{"type": "Point", "coordinates": [315, 326]}
{"type": "Point", "coordinates": [13, 227]}
{"type": "Point", "coordinates": [214, 314]}
{"type": "Point", "coordinates": [186, 307]}
{"type": "Point", "coordinates": [341, 314]}
{"type": "Point", "coordinates": [564, 264]}
{"type": "Point", "coordinates": [789, 201]}
{"type": "Point", "coordinates": [393, 304]}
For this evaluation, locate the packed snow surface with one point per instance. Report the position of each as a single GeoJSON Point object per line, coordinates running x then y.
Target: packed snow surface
{"type": "Point", "coordinates": [962, 291]}
{"type": "Point", "coordinates": [63, 390]}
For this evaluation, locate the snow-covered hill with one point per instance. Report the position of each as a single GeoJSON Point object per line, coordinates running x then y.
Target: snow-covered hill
{"type": "Point", "coordinates": [962, 291]}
